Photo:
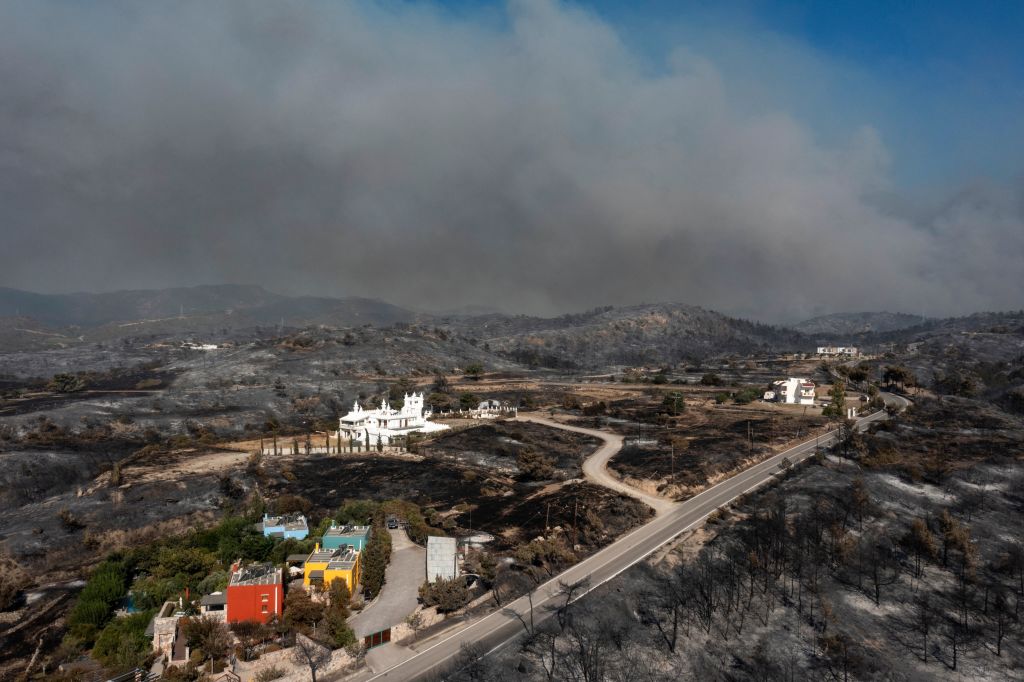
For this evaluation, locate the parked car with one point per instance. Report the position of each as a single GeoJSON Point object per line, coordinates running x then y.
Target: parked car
{"type": "Point", "coordinates": [392, 522]}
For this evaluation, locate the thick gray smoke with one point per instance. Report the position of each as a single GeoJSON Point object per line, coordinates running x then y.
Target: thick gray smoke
{"type": "Point", "coordinates": [530, 162]}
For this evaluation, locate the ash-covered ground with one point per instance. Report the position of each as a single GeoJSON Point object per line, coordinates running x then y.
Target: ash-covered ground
{"type": "Point", "coordinates": [898, 557]}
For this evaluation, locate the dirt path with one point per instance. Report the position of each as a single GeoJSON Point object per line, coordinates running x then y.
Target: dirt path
{"type": "Point", "coordinates": [595, 467]}
{"type": "Point", "coordinates": [184, 464]}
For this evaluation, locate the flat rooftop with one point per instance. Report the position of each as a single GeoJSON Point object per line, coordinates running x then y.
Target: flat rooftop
{"type": "Point", "coordinates": [336, 559]}
{"type": "Point", "coordinates": [257, 574]}
{"type": "Point", "coordinates": [286, 521]}
{"type": "Point", "coordinates": [347, 531]}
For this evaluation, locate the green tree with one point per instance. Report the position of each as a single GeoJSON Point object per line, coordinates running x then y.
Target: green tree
{"type": "Point", "coordinates": [66, 383]}
{"type": "Point", "coordinates": [123, 642]}
{"type": "Point", "coordinates": [336, 631]}
{"type": "Point", "coordinates": [376, 556]}
{"type": "Point", "coordinates": [300, 611]}
{"type": "Point", "coordinates": [675, 403]}
{"type": "Point", "coordinates": [106, 586]}
{"type": "Point", "coordinates": [474, 370]}
{"type": "Point", "coordinates": [339, 595]}
{"type": "Point", "coordinates": [837, 408]}
{"type": "Point", "coordinates": [438, 401]}
{"type": "Point", "coordinates": [357, 512]}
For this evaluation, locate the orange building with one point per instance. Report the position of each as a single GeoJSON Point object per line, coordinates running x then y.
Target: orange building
{"type": "Point", "coordinates": [255, 593]}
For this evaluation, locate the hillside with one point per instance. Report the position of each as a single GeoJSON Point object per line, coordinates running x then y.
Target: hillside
{"type": "Point", "coordinates": [198, 309]}
{"type": "Point", "coordinates": [650, 334]}
{"type": "Point", "coordinates": [849, 324]}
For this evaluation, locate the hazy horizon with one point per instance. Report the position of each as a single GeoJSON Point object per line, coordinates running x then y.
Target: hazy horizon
{"type": "Point", "coordinates": [534, 157]}
{"type": "Point", "coordinates": [483, 310]}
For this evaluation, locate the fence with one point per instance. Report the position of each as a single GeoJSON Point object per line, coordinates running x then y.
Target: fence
{"type": "Point", "coordinates": [302, 449]}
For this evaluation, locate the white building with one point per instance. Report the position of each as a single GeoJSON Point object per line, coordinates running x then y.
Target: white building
{"type": "Point", "coordinates": [792, 390]}
{"type": "Point", "coordinates": [387, 423]}
{"type": "Point", "coordinates": [839, 351]}
{"type": "Point", "coordinates": [442, 558]}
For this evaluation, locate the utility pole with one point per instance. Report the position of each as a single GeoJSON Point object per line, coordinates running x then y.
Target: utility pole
{"type": "Point", "coordinates": [750, 436]}
{"type": "Point", "coordinates": [547, 519]}
{"type": "Point", "coordinates": [575, 507]}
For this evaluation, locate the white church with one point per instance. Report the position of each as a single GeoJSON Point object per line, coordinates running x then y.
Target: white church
{"type": "Point", "coordinates": [386, 423]}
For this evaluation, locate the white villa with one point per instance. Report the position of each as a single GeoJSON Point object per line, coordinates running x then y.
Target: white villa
{"type": "Point", "coordinates": [844, 351]}
{"type": "Point", "coordinates": [387, 423]}
{"type": "Point", "coordinates": [792, 390]}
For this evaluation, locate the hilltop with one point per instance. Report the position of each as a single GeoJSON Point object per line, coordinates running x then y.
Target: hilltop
{"type": "Point", "coordinates": [648, 334]}
{"type": "Point", "coordinates": [848, 324]}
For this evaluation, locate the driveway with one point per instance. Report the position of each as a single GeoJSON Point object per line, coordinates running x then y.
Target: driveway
{"type": "Point", "coordinates": [398, 597]}
{"type": "Point", "coordinates": [595, 466]}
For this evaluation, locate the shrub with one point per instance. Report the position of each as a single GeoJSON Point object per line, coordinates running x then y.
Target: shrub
{"type": "Point", "coordinates": [105, 588]}
{"type": "Point", "coordinates": [534, 465]}
{"type": "Point", "coordinates": [12, 581]}
{"type": "Point", "coordinates": [268, 674]}
{"type": "Point", "coordinates": [746, 395]}
{"type": "Point", "coordinates": [357, 512]}
{"type": "Point", "coordinates": [66, 383]}
{"type": "Point", "coordinates": [123, 642]}
{"type": "Point", "coordinates": [339, 634]}
{"type": "Point", "coordinates": [446, 595]}
{"type": "Point", "coordinates": [69, 520]}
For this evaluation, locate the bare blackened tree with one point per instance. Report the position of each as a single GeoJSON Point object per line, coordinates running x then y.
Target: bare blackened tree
{"type": "Point", "coordinates": [1001, 616]}
{"type": "Point", "coordinates": [924, 621]}
{"type": "Point", "coordinates": [884, 567]}
{"type": "Point", "coordinates": [659, 605]}
{"type": "Point", "coordinates": [310, 654]}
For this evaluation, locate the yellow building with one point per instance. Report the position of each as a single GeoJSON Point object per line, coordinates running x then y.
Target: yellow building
{"type": "Point", "coordinates": [325, 565]}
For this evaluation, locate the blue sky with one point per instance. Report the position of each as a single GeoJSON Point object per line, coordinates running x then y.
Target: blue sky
{"type": "Point", "coordinates": [942, 81]}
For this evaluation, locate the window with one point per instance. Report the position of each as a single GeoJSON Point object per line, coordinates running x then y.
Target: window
{"type": "Point", "coordinates": [264, 608]}
{"type": "Point", "coordinates": [266, 598]}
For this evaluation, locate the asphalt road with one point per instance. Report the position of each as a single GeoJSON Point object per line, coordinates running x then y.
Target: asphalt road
{"type": "Point", "coordinates": [499, 628]}
{"type": "Point", "coordinates": [402, 579]}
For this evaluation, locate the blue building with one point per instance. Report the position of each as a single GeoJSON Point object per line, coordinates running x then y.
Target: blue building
{"type": "Point", "coordinates": [353, 536]}
{"type": "Point", "coordinates": [288, 526]}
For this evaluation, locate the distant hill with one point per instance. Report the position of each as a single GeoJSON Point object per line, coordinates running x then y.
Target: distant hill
{"type": "Point", "coordinates": [25, 333]}
{"type": "Point", "coordinates": [852, 324]}
{"type": "Point", "coordinates": [657, 334]}
{"type": "Point", "coordinates": [198, 308]}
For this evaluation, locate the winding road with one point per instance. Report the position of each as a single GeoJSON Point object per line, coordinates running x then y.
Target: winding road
{"type": "Point", "coordinates": [595, 467]}
{"type": "Point", "coordinates": [497, 629]}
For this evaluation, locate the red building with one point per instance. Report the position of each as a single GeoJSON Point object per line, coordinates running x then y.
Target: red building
{"type": "Point", "coordinates": [255, 593]}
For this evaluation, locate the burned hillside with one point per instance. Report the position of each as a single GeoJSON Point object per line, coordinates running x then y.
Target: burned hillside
{"type": "Point", "coordinates": [850, 567]}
